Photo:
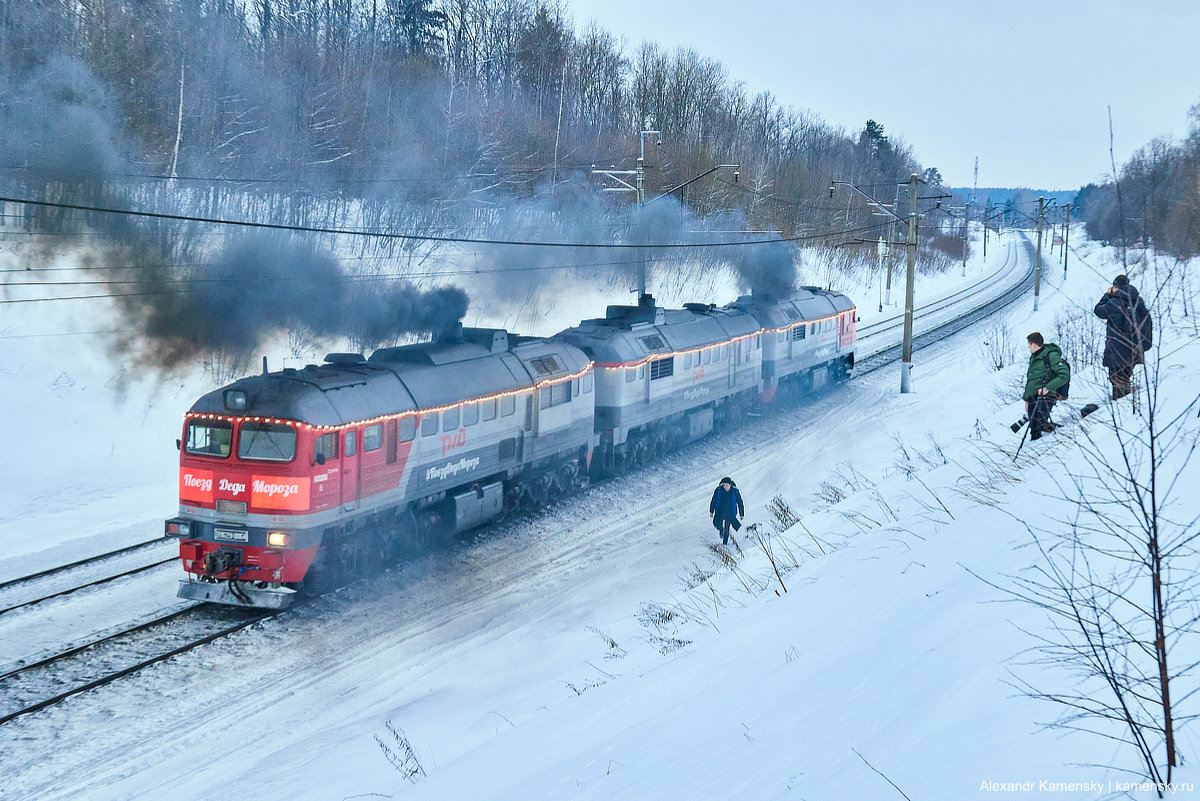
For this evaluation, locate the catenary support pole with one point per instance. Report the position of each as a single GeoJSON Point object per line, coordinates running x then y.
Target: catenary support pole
{"type": "Point", "coordinates": [966, 235]}
{"type": "Point", "coordinates": [887, 298]}
{"type": "Point", "coordinates": [906, 349]}
{"type": "Point", "coordinates": [1037, 276]}
{"type": "Point", "coordinates": [1066, 238]}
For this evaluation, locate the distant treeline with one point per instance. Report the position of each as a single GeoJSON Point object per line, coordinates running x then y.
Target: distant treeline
{"type": "Point", "coordinates": [1155, 199]}
{"type": "Point", "coordinates": [453, 106]}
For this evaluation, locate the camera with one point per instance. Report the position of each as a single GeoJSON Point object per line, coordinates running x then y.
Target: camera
{"type": "Point", "coordinates": [1017, 425]}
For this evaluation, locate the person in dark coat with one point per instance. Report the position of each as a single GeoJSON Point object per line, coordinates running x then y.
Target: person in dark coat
{"type": "Point", "coordinates": [1130, 333]}
{"type": "Point", "coordinates": [726, 508]}
{"type": "Point", "coordinates": [1047, 374]}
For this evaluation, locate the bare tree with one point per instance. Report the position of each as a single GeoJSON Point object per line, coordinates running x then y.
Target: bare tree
{"type": "Point", "coordinates": [1118, 578]}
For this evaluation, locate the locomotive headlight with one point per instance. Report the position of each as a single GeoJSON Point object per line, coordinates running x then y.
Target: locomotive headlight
{"type": "Point", "coordinates": [176, 528]}
{"type": "Point", "coordinates": [279, 539]}
{"type": "Point", "coordinates": [235, 400]}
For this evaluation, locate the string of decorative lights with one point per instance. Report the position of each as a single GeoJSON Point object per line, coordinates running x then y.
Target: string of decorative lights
{"type": "Point", "coordinates": [417, 413]}
{"type": "Point", "coordinates": [536, 387]}
{"type": "Point", "coordinates": [653, 357]}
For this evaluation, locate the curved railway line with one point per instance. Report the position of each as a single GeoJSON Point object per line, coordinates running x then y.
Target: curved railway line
{"type": "Point", "coordinates": [40, 684]}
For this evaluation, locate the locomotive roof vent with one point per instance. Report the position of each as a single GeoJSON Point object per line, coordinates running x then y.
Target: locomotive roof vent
{"type": "Point", "coordinates": [494, 339]}
{"type": "Point", "coordinates": [700, 308]}
{"type": "Point", "coordinates": [644, 312]}
{"type": "Point", "coordinates": [344, 358]}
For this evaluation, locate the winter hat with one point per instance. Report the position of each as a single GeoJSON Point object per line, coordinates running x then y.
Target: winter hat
{"type": "Point", "coordinates": [726, 480]}
{"type": "Point", "coordinates": [1121, 280]}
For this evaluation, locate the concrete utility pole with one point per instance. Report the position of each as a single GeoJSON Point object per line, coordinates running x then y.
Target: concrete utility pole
{"type": "Point", "coordinates": [906, 349]}
{"type": "Point", "coordinates": [1066, 238]}
{"type": "Point", "coordinates": [641, 196]}
{"type": "Point", "coordinates": [882, 250]}
{"type": "Point", "coordinates": [639, 187]}
{"type": "Point", "coordinates": [967, 230]}
{"type": "Point", "coordinates": [1037, 276]}
{"type": "Point", "coordinates": [891, 254]}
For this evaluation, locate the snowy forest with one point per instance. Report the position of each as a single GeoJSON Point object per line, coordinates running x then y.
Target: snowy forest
{"type": "Point", "coordinates": [434, 103]}
{"type": "Point", "coordinates": [1155, 199]}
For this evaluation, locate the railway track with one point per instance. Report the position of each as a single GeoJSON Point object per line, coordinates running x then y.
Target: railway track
{"type": "Point", "coordinates": [885, 356]}
{"type": "Point", "coordinates": [96, 570]}
{"type": "Point", "coordinates": [35, 686]}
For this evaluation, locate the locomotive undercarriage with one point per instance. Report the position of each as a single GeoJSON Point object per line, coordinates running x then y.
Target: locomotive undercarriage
{"type": "Point", "coordinates": [374, 542]}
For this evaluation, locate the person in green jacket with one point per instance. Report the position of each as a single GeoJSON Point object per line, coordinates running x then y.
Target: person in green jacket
{"type": "Point", "coordinates": [1047, 374]}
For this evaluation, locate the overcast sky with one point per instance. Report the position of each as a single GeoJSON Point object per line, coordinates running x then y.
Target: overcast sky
{"type": "Point", "coordinates": [1025, 85]}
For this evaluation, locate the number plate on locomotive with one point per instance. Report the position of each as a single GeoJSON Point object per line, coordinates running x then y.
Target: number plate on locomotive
{"type": "Point", "coordinates": [231, 535]}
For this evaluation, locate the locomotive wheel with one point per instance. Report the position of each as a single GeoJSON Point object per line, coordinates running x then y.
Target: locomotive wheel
{"type": "Point", "coordinates": [322, 575]}
{"type": "Point", "coordinates": [554, 489]}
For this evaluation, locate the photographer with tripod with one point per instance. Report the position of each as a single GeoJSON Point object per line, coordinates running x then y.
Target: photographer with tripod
{"type": "Point", "coordinates": [1047, 380]}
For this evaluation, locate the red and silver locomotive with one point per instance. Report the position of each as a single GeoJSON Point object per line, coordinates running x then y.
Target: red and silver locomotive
{"type": "Point", "coordinates": [292, 479]}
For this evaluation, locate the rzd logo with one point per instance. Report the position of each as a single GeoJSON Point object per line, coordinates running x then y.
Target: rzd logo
{"type": "Point", "coordinates": [455, 440]}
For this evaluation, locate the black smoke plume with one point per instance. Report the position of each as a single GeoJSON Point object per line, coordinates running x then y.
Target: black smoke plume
{"type": "Point", "coordinates": [262, 285]}
{"type": "Point", "coordinates": [767, 270]}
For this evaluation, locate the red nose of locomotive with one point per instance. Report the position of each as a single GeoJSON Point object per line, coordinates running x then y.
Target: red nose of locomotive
{"type": "Point", "coordinates": [244, 501]}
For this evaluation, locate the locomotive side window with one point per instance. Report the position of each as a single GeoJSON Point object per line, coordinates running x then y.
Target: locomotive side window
{"type": "Point", "coordinates": [373, 437]}
{"type": "Point", "coordinates": [407, 429]}
{"type": "Point", "coordinates": [450, 420]}
{"type": "Point", "coordinates": [707, 356]}
{"type": "Point", "coordinates": [508, 405]}
{"type": "Point", "coordinates": [351, 443]}
{"type": "Point", "coordinates": [325, 446]}
{"type": "Point", "coordinates": [429, 425]}
{"type": "Point", "coordinates": [209, 438]}
{"type": "Point", "coordinates": [487, 409]}
{"type": "Point", "coordinates": [587, 383]}
{"type": "Point", "coordinates": [269, 442]}
{"type": "Point", "coordinates": [470, 414]}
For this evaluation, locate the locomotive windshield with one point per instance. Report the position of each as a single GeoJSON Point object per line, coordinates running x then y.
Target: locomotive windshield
{"type": "Point", "coordinates": [269, 442]}
{"type": "Point", "coordinates": [209, 437]}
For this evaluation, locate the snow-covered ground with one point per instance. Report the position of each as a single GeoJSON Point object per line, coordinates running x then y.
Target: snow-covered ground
{"type": "Point", "coordinates": [599, 650]}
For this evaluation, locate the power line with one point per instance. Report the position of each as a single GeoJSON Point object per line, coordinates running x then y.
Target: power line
{"type": "Point", "coordinates": [419, 237]}
{"type": "Point", "coordinates": [321, 181]}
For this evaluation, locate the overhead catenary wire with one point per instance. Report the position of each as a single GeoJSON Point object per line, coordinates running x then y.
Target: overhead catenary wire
{"type": "Point", "coordinates": [438, 179]}
{"type": "Point", "coordinates": [417, 237]}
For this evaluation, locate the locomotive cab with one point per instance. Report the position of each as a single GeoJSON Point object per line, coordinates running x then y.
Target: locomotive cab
{"type": "Point", "coordinates": [241, 481]}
